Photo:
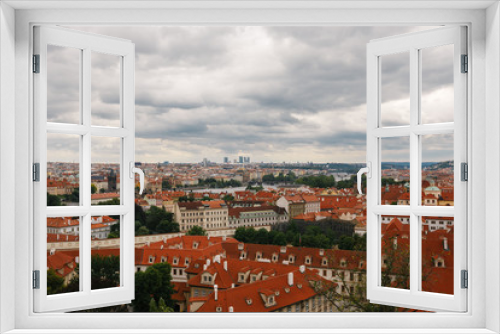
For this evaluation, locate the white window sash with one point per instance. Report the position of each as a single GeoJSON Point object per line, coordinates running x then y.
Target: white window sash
{"type": "Point", "coordinates": [415, 297]}
{"type": "Point", "coordinates": [86, 297]}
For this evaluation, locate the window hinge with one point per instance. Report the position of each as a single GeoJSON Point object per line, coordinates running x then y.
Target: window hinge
{"type": "Point", "coordinates": [465, 279]}
{"type": "Point", "coordinates": [464, 171]}
{"type": "Point", "coordinates": [465, 64]}
{"type": "Point", "coordinates": [36, 279]}
{"type": "Point", "coordinates": [36, 63]}
{"type": "Point", "coordinates": [36, 172]}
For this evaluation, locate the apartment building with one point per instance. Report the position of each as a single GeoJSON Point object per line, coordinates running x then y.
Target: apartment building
{"type": "Point", "coordinates": [210, 215]}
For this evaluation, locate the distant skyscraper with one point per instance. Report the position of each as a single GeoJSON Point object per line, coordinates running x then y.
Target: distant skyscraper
{"type": "Point", "coordinates": [246, 160]}
{"type": "Point", "coordinates": [205, 162]}
{"type": "Point", "coordinates": [226, 160]}
{"type": "Point", "coordinates": [240, 159]}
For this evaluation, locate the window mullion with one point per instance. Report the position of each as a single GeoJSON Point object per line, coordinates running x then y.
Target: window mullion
{"type": "Point", "coordinates": [414, 170]}
{"type": "Point", "coordinates": [85, 180]}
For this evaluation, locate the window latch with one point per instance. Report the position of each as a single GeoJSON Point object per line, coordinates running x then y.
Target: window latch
{"type": "Point", "coordinates": [139, 171]}
{"type": "Point", "coordinates": [366, 170]}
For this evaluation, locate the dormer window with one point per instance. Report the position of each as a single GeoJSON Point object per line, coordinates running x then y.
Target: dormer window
{"type": "Point", "coordinates": [258, 256]}
{"type": "Point", "coordinates": [291, 259]}
{"type": "Point", "coordinates": [343, 263]}
{"type": "Point", "coordinates": [195, 245]}
{"type": "Point", "coordinates": [218, 309]}
{"type": "Point", "coordinates": [163, 259]}
{"type": "Point", "coordinates": [186, 261]}
{"type": "Point", "coordinates": [176, 260]}
{"type": "Point", "coordinates": [241, 277]}
{"type": "Point", "coordinates": [249, 301]}
{"type": "Point", "coordinates": [151, 259]}
{"type": "Point", "coordinates": [324, 261]}
{"type": "Point", "coordinates": [275, 257]}
{"type": "Point", "coordinates": [308, 260]}
{"type": "Point", "coordinates": [207, 278]}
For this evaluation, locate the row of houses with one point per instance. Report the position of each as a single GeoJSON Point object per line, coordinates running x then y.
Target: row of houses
{"type": "Point", "coordinates": [220, 274]}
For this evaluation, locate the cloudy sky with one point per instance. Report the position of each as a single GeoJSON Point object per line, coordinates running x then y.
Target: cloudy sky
{"type": "Point", "coordinates": [271, 93]}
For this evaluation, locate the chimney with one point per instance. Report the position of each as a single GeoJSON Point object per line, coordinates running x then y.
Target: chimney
{"type": "Point", "coordinates": [58, 236]}
{"type": "Point", "coordinates": [232, 285]}
{"type": "Point", "coordinates": [445, 244]}
{"type": "Point", "coordinates": [204, 267]}
{"type": "Point", "coordinates": [216, 292]}
{"type": "Point", "coordinates": [290, 279]}
{"type": "Point", "coordinates": [161, 247]}
{"type": "Point", "coordinates": [217, 259]}
{"type": "Point", "coordinates": [224, 238]}
{"type": "Point", "coordinates": [208, 262]}
{"type": "Point", "coordinates": [52, 251]}
{"type": "Point", "coordinates": [302, 269]}
{"type": "Point", "coordinates": [225, 265]}
{"type": "Point", "coordinates": [231, 309]}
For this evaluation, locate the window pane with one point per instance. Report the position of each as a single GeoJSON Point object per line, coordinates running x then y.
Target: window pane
{"type": "Point", "coordinates": [63, 84]}
{"type": "Point", "coordinates": [437, 170]}
{"type": "Point", "coordinates": [63, 169]}
{"type": "Point", "coordinates": [106, 153]}
{"type": "Point", "coordinates": [395, 90]}
{"type": "Point", "coordinates": [106, 88]}
{"type": "Point", "coordinates": [437, 254]}
{"type": "Point", "coordinates": [63, 255]}
{"type": "Point", "coordinates": [105, 252]}
{"type": "Point", "coordinates": [395, 166]}
{"type": "Point", "coordinates": [437, 100]}
{"type": "Point", "coordinates": [395, 241]}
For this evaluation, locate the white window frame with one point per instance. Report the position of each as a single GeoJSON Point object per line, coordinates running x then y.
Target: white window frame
{"type": "Point", "coordinates": [412, 44]}
{"type": "Point", "coordinates": [483, 19]}
{"type": "Point", "coordinates": [125, 52]}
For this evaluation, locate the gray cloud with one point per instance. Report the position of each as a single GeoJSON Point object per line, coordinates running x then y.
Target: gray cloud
{"type": "Point", "coordinates": [277, 93]}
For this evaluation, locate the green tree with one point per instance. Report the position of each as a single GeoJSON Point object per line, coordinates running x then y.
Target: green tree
{"type": "Point", "coordinates": [228, 198]}
{"type": "Point", "coordinates": [114, 231]}
{"type": "Point", "coordinates": [279, 239]}
{"type": "Point", "coordinates": [261, 236]}
{"type": "Point", "coordinates": [197, 230]}
{"type": "Point", "coordinates": [113, 201]}
{"type": "Point", "coordinates": [166, 185]}
{"type": "Point", "coordinates": [155, 216]}
{"type": "Point", "coordinates": [167, 226]}
{"type": "Point", "coordinates": [102, 191]}
{"type": "Point", "coordinates": [105, 271]}
{"type": "Point", "coordinates": [140, 215]}
{"type": "Point", "coordinates": [152, 306]}
{"type": "Point", "coordinates": [162, 306]}
{"type": "Point", "coordinates": [154, 283]}
{"type": "Point", "coordinates": [53, 200]}
{"type": "Point", "coordinates": [93, 188]}
{"type": "Point", "coordinates": [143, 230]}
{"type": "Point", "coordinates": [55, 283]}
